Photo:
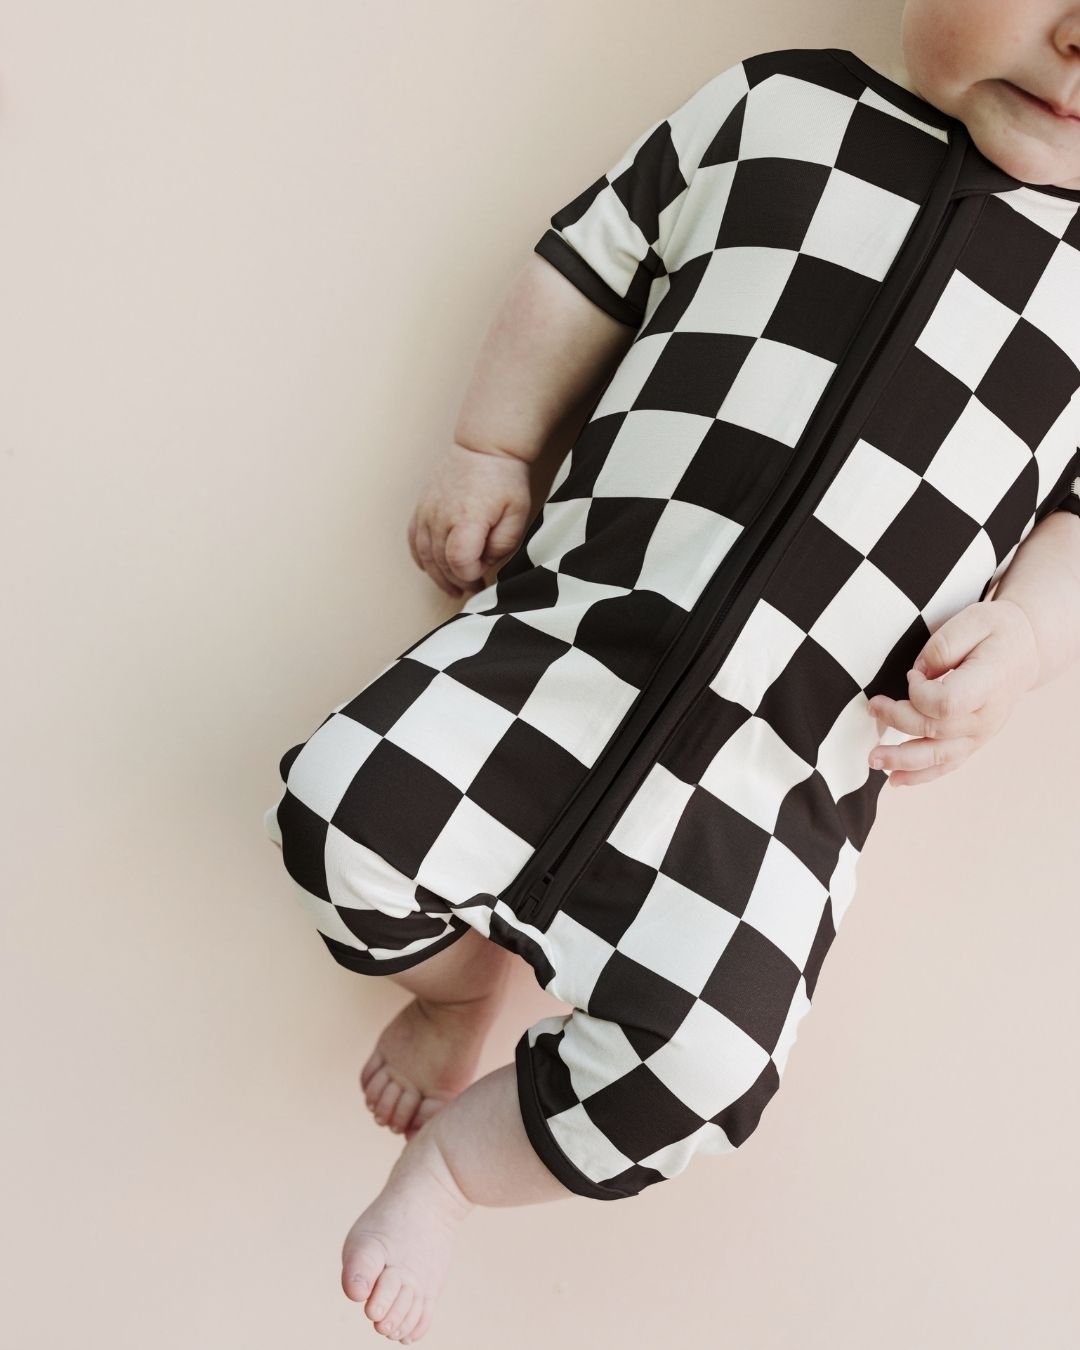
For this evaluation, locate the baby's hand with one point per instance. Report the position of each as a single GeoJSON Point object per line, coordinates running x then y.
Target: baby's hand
{"type": "Point", "coordinates": [961, 691]}
{"type": "Point", "coordinates": [472, 513]}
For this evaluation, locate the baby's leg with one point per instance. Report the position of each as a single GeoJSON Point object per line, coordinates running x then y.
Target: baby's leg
{"type": "Point", "coordinates": [375, 920]}
{"type": "Point", "coordinates": [473, 1152]}
{"type": "Point", "coordinates": [428, 1052]}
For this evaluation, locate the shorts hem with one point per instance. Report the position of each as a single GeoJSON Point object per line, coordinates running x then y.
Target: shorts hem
{"type": "Point", "coordinates": [541, 1137]}
{"type": "Point", "coordinates": [363, 963]}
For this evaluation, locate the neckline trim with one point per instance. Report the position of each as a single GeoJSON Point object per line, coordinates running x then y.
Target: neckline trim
{"type": "Point", "coordinates": [910, 102]}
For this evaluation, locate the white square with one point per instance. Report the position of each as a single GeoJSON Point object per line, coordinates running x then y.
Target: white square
{"type": "Point", "coordinates": [359, 878]}
{"type": "Point", "coordinates": [753, 771]}
{"type": "Point", "coordinates": [859, 226]}
{"type": "Point", "coordinates": [738, 291]}
{"type": "Point", "coordinates": [709, 1062]}
{"type": "Point", "coordinates": [574, 597]}
{"type": "Point", "coordinates": [977, 462]}
{"type": "Point", "coordinates": [842, 883]}
{"type": "Point", "coordinates": [633, 370]}
{"type": "Point", "coordinates": [859, 625]}
{"type": "Point", "coordinates": [963, 585]}
{"type": "Point", "coordinates": [650, 453]}
{"type": "Point", "coordinates": [452, 729]}
{"type": "Point", "coordinates": [578, 702]}
{"type": "Point", "coordinates": [473, 853]}
{"type": "Point", "coordinates": [792, 118]}
{"type": "Point", "coordinates": [577, 954]}
{"type": "Point", "coordinates": [797, 1010]}
{"type": "Point", "coordinates": [587, 1147]}
{"type": "Point", "coordinates": [326, 765]}
{"type": "Point", "coordinates": [685, 548]}
{"type": "Point", "coordinates": [862, 501]}
{"type": "Point", "coordinates": [1054, 304]}
{"type": "Point", "coordinates": [564, 526]}
{"type": "Point", "coordinates": [786, 902]}
{"type": "Point", "coordinates": [596, 1052]}
{"type": "Point", "coordinates": [697, 227]}
{"type": "Point", "coordinates": [643, 831]}
{"type": "Point", "coordinates": [461, 635]}
{"type": "Point", "coordinates": [766, 643]}
{"type": "Point", "coordinates": [966, 330]}
{"type": "Point", "coordinates": [678, 935]}
{"type": "Point", "coordinates": [777, 388]}
{"type": "Point", "coordinates": [844, 756]}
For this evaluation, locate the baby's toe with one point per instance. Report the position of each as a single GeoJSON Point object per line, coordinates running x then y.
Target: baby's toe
{"type": "Point", "coordinates": [386, 1290]}
{"type": "Point", "coordinates": [400, 1311]}
{"type": "Point", "coordinates": [361, 1265]}
{"type": "Point", "coordinates": [412, 1321]}
{"type": "Point", "coordinates": [422, 1324]}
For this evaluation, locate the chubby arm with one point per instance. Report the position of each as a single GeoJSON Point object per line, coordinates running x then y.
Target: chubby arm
{"type": "Point", "coordinates": [1043, 581]}
{"type": "Point", "coordinates": [547, 349]}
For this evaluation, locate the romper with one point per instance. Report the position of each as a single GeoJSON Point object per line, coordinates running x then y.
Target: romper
{"type": "Point", "coordinates": [638, 758]}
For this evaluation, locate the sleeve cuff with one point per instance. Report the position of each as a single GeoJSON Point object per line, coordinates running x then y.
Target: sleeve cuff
{"type": "Point", "coordinates": [573, 266]}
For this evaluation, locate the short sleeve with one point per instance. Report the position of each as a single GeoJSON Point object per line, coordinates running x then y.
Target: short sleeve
{"type": "Point", "coordinates": [609, 240]}
{"type": "Point", "coordinates": [1065, 494]}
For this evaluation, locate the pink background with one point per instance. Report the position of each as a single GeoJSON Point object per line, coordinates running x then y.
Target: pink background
{"type": "Point", "coordinates": [248, 255]}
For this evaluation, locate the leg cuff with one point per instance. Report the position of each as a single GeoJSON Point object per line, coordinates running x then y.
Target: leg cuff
{"type": "Point", "coordinates": [541, 1138]}
{"type": "Point", "coordinates": [363, 963]}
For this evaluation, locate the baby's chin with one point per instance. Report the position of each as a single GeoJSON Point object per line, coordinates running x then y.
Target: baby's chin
{"type": "Point", "coordinates": [1026, 157]}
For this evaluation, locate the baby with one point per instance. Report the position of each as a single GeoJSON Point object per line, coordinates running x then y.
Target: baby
{"type": "Point", "coordinates": [662, 313]}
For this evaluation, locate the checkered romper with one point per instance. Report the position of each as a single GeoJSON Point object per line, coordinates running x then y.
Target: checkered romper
{"type": "Point", "coordinates": [639, 757]}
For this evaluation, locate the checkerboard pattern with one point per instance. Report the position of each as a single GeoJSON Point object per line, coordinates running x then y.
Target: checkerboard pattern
{"type": "Point", "coordinates": [744, 237]}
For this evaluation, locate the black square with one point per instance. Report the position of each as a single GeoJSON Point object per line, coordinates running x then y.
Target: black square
{"type": "Point", "coordinates": [821, 307]}
{"type": "Point", "coordinates": [1029, 383]}
{"type": "Point", "coordinates": [508, 667]}
{"type": "Point", "coordinates": [771, 203]}
{"type": "Point", "coordinates": [647, 1007]}
{"type": "Point", "coordinates": [379, 704]}
{"type": "Point", "coordinates": [715, 851]}
{"type": "Point", "coordinates": [608, 895]}
{"type": "Point", "coordinates": [733, 471]}
{"type": "Point", "coordinates": [927, 527]}
{"type": "Point", "coordinates": [639, 1114]}
{"type": "Point", "coordinates": [526, 806]}
{"type": "Point", "coordinates": [694, 372]}
{"type": "Point", "coordinates": [753, 984]}
{"type": "Point", "coordinates": [397, 806]}
{"type": "Point", "coordinates": [629, 633]}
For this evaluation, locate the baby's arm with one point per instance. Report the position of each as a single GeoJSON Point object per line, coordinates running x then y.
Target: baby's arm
{"type": "Point", "coordinates": [548, 350]}
{"type": "Point", "coordinates": [1043, 580]}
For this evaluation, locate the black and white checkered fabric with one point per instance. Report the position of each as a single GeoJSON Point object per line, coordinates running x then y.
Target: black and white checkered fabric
{"type": "Point", "coordinates": [744, 237]}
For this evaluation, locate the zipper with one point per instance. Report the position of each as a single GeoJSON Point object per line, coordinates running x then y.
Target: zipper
{"type": "Point", "coordinates": [577, 833]}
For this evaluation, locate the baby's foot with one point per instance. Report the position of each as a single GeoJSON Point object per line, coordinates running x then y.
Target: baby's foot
{"type": "Point", "coordinates": [424, 1058]}
{"type": "Point", "coordinates": [396, 1254]}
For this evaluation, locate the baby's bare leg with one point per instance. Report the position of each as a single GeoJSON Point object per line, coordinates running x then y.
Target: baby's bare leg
{"type": "Point", "coordinates": [428, 1052]}
{"type": "Point", "coordinates": [473, 1152]}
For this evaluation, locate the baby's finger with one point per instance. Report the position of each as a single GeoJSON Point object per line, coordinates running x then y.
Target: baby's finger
{"type": "Point", "coordinates": [462, 546]}
{"type": "Point", "coordinates": [426, 549]}
{"type": "Point", "coordinates": [507, 531]}
{"type": "Point", "coordinates": [919, 761]}
{"type": "Point", "coordinates": [904, 716]}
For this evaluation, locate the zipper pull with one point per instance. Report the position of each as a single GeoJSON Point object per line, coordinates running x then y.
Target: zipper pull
{"type": "Point", "coordinates": [535, 896]}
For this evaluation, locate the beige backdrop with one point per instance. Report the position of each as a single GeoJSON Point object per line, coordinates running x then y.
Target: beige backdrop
{"type": "Point", "coordinates": [248, 253]}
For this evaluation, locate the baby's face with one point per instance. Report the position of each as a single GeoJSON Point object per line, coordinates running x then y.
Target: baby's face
{"type": "Point", "coordinates": [972, 59]}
